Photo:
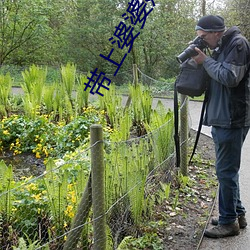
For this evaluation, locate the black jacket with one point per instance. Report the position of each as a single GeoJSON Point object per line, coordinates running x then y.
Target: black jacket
{"type": "Point", "coordinates": [229, 90]}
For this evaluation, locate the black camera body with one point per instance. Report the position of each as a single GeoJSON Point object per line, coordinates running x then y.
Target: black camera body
{"type": "Point", "coordinates": [190, 51]}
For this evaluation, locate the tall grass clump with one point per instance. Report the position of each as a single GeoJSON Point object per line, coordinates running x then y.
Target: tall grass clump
{"type": "Point", "coordinates": [161, 130]}
{"type": "Point", "coordinates": [34, 80]}
{"type": "Point", "coordinates": [141, 106]}
{"type": "Point", "coordinates": [68, 74]}
{"type": "Point", "coordinates": [5, 90]}
{"type": "Point", "coordinates": [48, 98]}
{"type": "Point", "coordinates": [112, 108]}
{"type": "Point", "coordinates": [82, 94]}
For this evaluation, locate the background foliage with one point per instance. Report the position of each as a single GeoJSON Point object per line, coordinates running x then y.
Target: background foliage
{"type": "Point", "coordinates": [49, 32]}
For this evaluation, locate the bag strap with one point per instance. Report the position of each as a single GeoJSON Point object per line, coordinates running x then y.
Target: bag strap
{"type": "Point", "coordinates": [176, 126]}
{"type": "Point", "coordinates": [199, 127]}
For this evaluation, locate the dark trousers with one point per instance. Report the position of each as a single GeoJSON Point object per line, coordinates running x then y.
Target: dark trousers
{"type": "Point", "coordinates": [228, 145]}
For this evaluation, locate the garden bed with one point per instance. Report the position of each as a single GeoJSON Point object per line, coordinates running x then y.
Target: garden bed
{"type": "Point", "coordinates": [179, 221]}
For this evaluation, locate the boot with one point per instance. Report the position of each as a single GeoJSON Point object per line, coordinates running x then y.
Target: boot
{"type": "Point", "coordinates": [241, 219]}
{"type": "Point", "coordinates": [221, 231]}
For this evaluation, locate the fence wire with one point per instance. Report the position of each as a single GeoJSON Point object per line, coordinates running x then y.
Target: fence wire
{"type": "Point", "coordinates": [44, 210]}
{"type": "Point", "coordinates": [158, 87]}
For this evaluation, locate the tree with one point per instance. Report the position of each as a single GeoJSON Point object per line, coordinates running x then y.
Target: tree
{"type": "Point", "coordinates": [78, 31]}
{"type": "Point", "coordinates": [237, 13]}
{"type": "Point", "coordinates": [21, 21]}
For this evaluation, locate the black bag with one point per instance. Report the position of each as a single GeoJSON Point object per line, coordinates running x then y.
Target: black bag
{"type": "Point", "coordinates": [192, 80]}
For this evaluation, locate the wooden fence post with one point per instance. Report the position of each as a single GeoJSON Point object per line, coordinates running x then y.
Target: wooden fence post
{"type": "Point", "coordinates": [135, 74]}
{"type": "Point", "coordinates": [135, 81]}
{"type": "Point", "coordinates": [80, 218]}
{"type": "Point", "coordinates": [98, 195]}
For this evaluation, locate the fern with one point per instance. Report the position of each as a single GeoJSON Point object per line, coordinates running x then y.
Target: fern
{"type": "Point", "coordinates": [161, 126]}
{"type": "Point", "coordinates": [33, 86]}
{"type": "Point", "coordinates": [82, 98]}
{"type": "Point", "coordinates": [5, 90]}
{"type": "Point", "coordinates": [6, 184]}
{"type": "Point", "coordinates": [56, 184]}
{"type": "Point", "coordinates": [68, 74]}
{"type": "Point", "coordinates": [48, 98]}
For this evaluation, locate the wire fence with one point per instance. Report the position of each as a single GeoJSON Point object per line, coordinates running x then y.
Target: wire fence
{"type": "Point", "coordinates": [162, 86]}
{"type": "Point", "coordinates": [55, 210]}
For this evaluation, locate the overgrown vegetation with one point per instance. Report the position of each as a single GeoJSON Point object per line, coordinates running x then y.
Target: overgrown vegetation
{"type": "Point", "coordinates": [52, 122]}
{"type": "Point", "coordinates": [35, 211]}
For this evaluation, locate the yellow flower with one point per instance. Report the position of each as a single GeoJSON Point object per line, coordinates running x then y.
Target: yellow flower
{"type": "Point", "coordinates": [38, 156]}
{"type": "Point", "coordinates": [16, 152]}
{"type": "Point", "coordinates": [37, 196]}
{"type": "Point", "coordinates": [45, 151]}
{"type": "Point", "coordinates": [73, 199]}
{"type": "Point", "coordinates": [6, 132]}
{"type": "Point", "coordinates": [102, 112]}
{"type": "Point", "coordinates": [69, 211]}
{"type": "Point", "coordinates": [14, 209]}
{"type": "Point", "coordinates": [31, 187]}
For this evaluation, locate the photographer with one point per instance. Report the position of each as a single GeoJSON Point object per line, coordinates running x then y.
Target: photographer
{"type": "Point", "coordinates": [228, 112]}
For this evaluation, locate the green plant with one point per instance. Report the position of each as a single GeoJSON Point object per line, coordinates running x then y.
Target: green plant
{"type": "Point", "coordinates": [161, 128]}
{"type": "Point", "coordinates": [65, 181]}
{"type": "Point", "coordinates": [23, 134]}
{"type": "Point", "coordinates": [68, 74]}
{"type": "Point", "coordinates": [56, 187]}
{"type": "Point", "coordinates": [176, 199]}
{"type": "Point", "coordinates": [30, 207]}
{"type": "Point", "coordinates": [28, 244]}
{"type": "Point", "coordinates": [34, 81]}
{"type": "Point", "coordinates": [44, 137]}
{"type": "Point", "coordinates": [184, 181]}
{"type": "Point", "coordinates": [113, 109]}
{"type": "Point", "coordinates": [6, 184]}
{"type": "Point", "coordinates": [82, 94]}
{"type": "Point", "coordinates": [5, 90]}
{"type": "Point", "coordinates": [48, 98]}
{"type": "Point", "coordinates": [14, 71]}
{"type": "Point", "coordinates": [141, 104]}
{"type": "Point", "coordinates": [147, 241]}
{"type": "Point", "coordinates": [164, 191]}
{"type": "Point", "coordinates": [126, 173]}
{"type": "Point", "coordinates": [121, 131]}
{"type": "Point", "coordinates": [127, 160]}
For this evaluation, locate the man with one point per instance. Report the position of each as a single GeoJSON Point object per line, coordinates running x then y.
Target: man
{"type": "Point", "coordinates": [228, 112]}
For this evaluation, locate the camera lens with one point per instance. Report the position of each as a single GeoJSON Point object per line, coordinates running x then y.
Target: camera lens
{"type": "Point", "coordinates": [187, 53]}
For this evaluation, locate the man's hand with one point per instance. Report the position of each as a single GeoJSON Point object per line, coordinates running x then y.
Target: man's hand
{"type": "Point", "coordinates": [200, 58]}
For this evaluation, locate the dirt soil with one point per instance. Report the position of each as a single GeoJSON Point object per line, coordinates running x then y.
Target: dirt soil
{"type": "Point", "coordinates": [187, 222]}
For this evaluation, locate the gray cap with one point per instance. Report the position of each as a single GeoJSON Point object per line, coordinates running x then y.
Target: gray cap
{"type": "Point", "coordinates": [210, 23]}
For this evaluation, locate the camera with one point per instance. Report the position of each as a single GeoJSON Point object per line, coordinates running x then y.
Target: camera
{"type": "Point", "coordinates": [190, 51]}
